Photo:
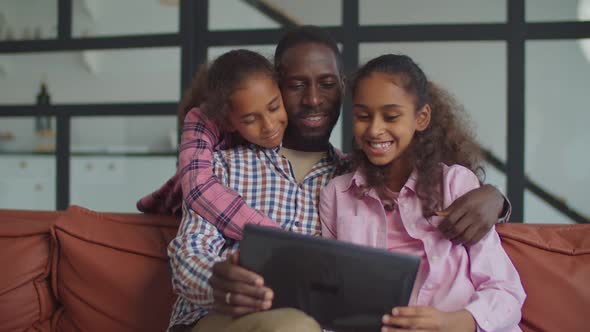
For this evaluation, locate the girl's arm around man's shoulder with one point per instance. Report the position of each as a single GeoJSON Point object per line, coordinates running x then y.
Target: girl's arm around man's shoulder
{"type": "Point", "coordinates": [202, 191]}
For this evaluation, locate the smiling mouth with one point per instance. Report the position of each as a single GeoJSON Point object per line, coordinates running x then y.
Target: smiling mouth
{"type": "Point", "coordinates": [379, 147]}
{"type": "Point", "coordinates": [272, 136]}
{"type": "Point", "coordinates": [316, 120]}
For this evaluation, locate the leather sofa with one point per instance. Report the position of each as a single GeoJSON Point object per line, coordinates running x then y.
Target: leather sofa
{"type": "Point", "coordinates": [80, 270]}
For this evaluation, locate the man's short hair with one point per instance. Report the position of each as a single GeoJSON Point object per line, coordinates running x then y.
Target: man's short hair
{"type": "Point", "coordinates": [306, 34]}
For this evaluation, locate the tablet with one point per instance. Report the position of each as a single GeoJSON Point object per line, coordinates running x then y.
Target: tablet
{"type": "Point", "coordinates": [342, 285]}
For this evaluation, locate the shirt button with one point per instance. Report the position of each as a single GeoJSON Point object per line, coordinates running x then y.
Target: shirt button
{"type": "Point", "coordinates": [435, 258]}
{"type": "Point", "coordinates": [428, 286]}
{"type": "Point", "coordinates": [297, 223]}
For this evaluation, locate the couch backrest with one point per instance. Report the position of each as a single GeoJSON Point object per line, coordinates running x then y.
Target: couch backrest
{"type": "Point", "coordinates": [26, 299]}
{"type": "Point", "coordinates": [110, 271]}
{"type": "Point", "coordinates": [554, 265]}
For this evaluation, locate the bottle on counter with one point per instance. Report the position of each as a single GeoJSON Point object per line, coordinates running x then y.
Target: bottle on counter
{"type": "Point", "coordinates": [43, 129]}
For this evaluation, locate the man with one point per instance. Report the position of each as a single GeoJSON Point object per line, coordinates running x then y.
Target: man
{"type": "Point", "coordinates": [312, 85]}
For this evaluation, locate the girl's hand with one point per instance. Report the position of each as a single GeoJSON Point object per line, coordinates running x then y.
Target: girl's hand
{"type": "Point", "coordinates": [423, 319]}
{"type": "Point", "coordinates": [237, 291]}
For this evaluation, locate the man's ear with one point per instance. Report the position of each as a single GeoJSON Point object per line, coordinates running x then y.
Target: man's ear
{"type": "Point", "coordinates": [228, 127]}
{"type": "Point", "coordinates": [423, 118]}
{"type": "Point", "coordinates": [343, 83]}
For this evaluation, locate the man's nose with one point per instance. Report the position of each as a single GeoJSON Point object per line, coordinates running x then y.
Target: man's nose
{"type": "Point", "coordinates": [312, 97]}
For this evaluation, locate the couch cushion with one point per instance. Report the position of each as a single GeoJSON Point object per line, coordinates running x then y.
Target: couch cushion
{"type": "Point", "coordinates": [554, 265]}
{"type": "Point", "coordinates": [26, 299]}
{"type": "Point", "coordinates": [111, 271]}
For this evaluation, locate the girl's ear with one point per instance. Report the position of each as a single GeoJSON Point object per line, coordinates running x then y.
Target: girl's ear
{"type": "Point", "coordinates": [423, 118]}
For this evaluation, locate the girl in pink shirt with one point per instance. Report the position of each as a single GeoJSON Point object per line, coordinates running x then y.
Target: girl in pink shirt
{"type": "Point", "coordinates": [414, 157]}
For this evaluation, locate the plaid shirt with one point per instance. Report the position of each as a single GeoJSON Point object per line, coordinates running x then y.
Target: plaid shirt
{"type": "Point", "coordinates": [266, 182]}
{"type": "Point", "coordinates": [203, 193]}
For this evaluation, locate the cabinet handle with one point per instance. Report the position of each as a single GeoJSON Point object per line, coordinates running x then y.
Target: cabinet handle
{"type": "Point", "coordinates": [111, 166]}
{"type": "Point", "coordinates": [38, 187]}
{"type": "Point", "coordinates": [89, 167]}
{"type": "Point", "coordinates": [22, 164]}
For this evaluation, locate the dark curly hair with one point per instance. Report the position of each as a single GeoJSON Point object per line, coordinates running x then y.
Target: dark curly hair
{"type": "Point", "coordinates": [447, 139]}
{"type": "Point", "coordinates": [214, 84]}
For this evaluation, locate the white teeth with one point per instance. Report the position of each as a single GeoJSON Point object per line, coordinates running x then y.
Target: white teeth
{"type": "Point", "coordinates": [314, 118]}
{"type": "Point", "coordinates": [383, 145]}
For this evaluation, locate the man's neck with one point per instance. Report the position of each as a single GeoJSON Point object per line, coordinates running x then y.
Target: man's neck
{"type": "Point", "coordinates": [301, 145]}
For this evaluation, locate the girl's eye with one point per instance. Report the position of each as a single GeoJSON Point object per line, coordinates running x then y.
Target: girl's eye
{"type": "Point", "coordinates": [391, 118]}
{"type": "Point", "coordinates": [361, 116]}
{"type": "Point", "coordinates": [274, 108]}
{"type": "Point", "coordinates": [249, 121]}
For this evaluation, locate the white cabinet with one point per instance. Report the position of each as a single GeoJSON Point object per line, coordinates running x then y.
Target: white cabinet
{"type": "Point", "coordinates": [116, 183]}
{"type": "Point", "coordinates": [27, 182]}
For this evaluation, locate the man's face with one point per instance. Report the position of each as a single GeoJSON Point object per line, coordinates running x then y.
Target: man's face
{"type": "Point", "coordinates": [312, 90]}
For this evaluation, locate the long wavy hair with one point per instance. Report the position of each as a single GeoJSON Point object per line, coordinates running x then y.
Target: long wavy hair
{"type": "Point", "coordinates": [447, 139]}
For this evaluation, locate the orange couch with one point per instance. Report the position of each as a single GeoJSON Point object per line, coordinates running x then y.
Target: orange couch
{"type": "Point", "coordinates": [81, 270]}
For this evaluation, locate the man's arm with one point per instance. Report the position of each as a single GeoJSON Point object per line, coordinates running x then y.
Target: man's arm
{"type": "Point", "coordinates": [192, 254]}
{"type": "Point", "coordinates": [469, 218]}
{"type": "Point", "coordinates": [202, 191]}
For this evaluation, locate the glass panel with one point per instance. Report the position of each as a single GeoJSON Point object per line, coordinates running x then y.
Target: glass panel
{"type": "Point", "coordinates": [268, 51]}
{"type": "Point", "coordinates": [381, 12]}
{"type": "Point", "coordinates": [134, 75]}
{"type": "Point", "coordinates": [27, 135]}
{"type": "Point", "coordinates": [115, 183]}
{"type": "Point", "coordinates": [556, 152]}
{"type": "Point", "coordinates": [536, 211]}
{"type": "Point", "coordinates": [91, 18]}
{"type": "Point", "coordinates": [27, 163]}
{"type": "Point", "coordinates": [238, 14]}
{"type": "Point", "coordinates": [495, 177]}
{"type": "Point", "coordinates": [457, 66]}
{"type": "Point", "coordinates": [138, 135]}
{"type": "Point", "coordinates": [111, 170]}
{"type": "Point", "coordinates": [563, 10]}
{"type": "Point", "coordinates": [28, 19]}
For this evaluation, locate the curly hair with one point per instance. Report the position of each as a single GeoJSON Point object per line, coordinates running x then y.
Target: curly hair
{"type": "Point", "coordinates": [214, 84]}
{"type": "Point", "coordinates": [447, 140]}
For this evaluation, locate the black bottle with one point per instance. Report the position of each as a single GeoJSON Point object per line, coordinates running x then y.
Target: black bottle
{"type": "Point", "coordinates": [43, 122]}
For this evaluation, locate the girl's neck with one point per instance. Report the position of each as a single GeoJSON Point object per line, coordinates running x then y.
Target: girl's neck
{"type": "Point", "coordinates": [397, 174]}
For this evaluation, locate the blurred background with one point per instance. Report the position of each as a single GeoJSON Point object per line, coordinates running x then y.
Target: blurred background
{"type": "Point", "coordinates": [89, 88]}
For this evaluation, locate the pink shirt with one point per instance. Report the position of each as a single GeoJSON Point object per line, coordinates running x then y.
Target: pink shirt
{"type": "Point", "coordinates": [480, 278]}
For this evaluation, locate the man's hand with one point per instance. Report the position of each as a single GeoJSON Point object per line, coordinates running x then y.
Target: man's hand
{"type": "Point", "coordinates": [237, 291]}
{"type": "Point", "coordinates": [427, 319]}
{"type": "Point", "coordinates": [472, 215]}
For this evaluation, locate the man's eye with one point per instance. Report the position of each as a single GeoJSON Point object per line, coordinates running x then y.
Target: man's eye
{"type": "Point", "coordinates": [328, 85]}
{"type": "Point", "coordinates": [391, 118]}
{"type": "Point", "coordinates": [296, 86]}
{"type": "Point", "coordinates": [362, 116]}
